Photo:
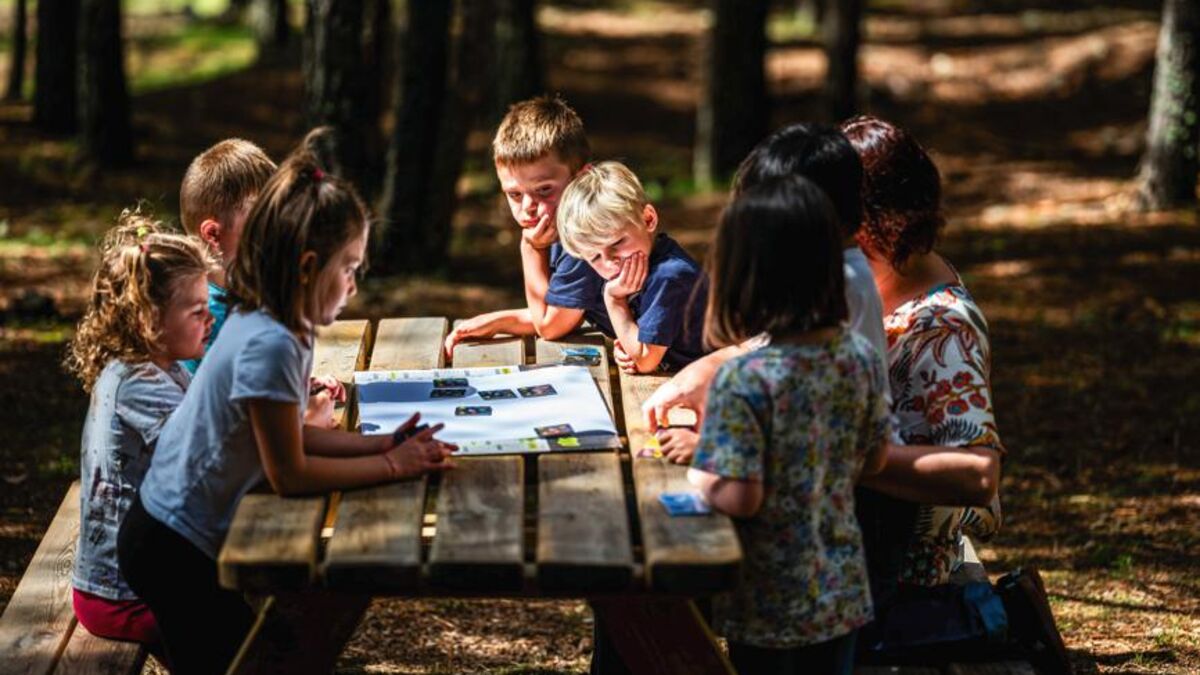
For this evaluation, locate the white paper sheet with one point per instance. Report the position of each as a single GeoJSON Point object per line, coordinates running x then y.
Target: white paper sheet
{"type": "Point", "coordinates": [388, 398]}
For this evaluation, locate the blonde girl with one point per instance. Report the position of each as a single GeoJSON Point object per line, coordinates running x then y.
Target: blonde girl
{"type": "Point", "coordinates": [241, 421]}
{"type": "Point", "coordinates": [148, 310]}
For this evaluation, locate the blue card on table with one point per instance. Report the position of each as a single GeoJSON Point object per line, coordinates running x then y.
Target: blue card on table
{"type": "Point", "coordinates": [684, 503]}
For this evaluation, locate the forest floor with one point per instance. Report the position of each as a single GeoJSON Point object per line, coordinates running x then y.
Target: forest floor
{"type": "Point", "coordinates": [1035, 113]}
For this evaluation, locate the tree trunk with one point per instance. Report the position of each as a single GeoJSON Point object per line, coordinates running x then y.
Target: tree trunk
{"type": "Point", "coordinates": [842, 24]}
{"type": "Point", "coordinates": [336, 83]}
{"type": "Point", "coordinates": [54, 93]}
{"type": "Point", "coordinates": [271, 25]}
{"type": "Point", "coordinates": [106, 136]}
{"type": "Point", "coordinates": [518, 47]}
{"type": "Point", "coordinates": [734, 112]}
{"type": "Point", "coordinates": [16, 73]}
{"type": "Point", "coordinates": [379, 64]}
{"type": "Point", "coordinates": [1169, 167]}
{"type": "Point", "coordinates": [406, 241]}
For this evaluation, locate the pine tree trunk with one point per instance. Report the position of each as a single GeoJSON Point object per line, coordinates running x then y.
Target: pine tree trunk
{"type": "Point", "coordinates": [271, 25]}
{"type": "Point", "coordinates": [842, 25]}
{"type": "Point", "coordinates": [1169, 167]}
{"type": "Point", "coordinates": [54, 93]}
{"type": "Point", "coordinates": [336, 83]}
{"type": "Point", "coordinates": [16, 71]}
{"type": "Point", "coordinates": [518, 44]}
{"type": "Point", "coordinates": [735, 113]}
{"type": "Point", "coordinates": [405, 239]}
{"type": "Point", "coordinates": [106, 137]}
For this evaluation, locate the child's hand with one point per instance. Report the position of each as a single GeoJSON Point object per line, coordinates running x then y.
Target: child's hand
{"type": "Point", "coordinates": [542, 235]}
{"type": "Point", "coordinates": [678, 443]}
{"type": "Point", "coordinates": [329, 383]}
{"type": "Point", "coordinates": [630, 279]}
{"type": "Point", "coordinates": [624, 361]}
{"type": "Point", "coordinates": [319, 412]}
{"type": "Point", "coordinates": [465, 330]}
{"type": "Point", "coordinates": [419, 454]}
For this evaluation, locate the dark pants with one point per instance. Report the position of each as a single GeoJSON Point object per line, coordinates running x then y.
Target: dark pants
{"type": "Point", "coordinates": [203, 625]}
{"type": "Point", "coordinates": [835, 657]}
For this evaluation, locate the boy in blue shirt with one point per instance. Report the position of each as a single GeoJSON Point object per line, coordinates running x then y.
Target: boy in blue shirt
{"type": "Point", "coordinates": [654, 293]}
{"type": "Point", "coordinates": [539, 147]}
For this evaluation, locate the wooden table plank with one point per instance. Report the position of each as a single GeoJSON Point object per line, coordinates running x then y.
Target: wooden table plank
{"type": "Point", "coordinates": [38, 618]}
{"type": "Point", "coordinates": [691, 555]}
{"type": "Point", "coordinates": [479, 542]}
{"type": "Point", "coordinates": [406, 344]}
{"type": "Point", "coordinates": [551, 351]}
{"type": "Point", "coordinates": [583, 541]}
{"type": "Point", "coordinates": [376, 541]}
{"type": "Point", "coordinates": [87, 654]}
{"type": "Point", "coordinates": [502, 351]}
{"type": "Point", "coordinates": [272, 543]}
{"type": "Point", "coordinates": [341, 349]}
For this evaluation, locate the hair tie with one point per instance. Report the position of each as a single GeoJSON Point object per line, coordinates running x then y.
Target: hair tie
{"type": "Point", "coordinates": [145, 247]}
{"type": "Point", "coordinates": [318, 175]}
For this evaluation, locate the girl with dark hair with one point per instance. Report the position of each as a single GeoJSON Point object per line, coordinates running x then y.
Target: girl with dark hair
{"type": "Point", "coordinates": [240, 421]}
{"type": "Point", "coordinates": [787, 431]}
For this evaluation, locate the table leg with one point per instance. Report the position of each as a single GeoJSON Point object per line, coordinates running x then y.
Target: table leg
{"type": "Point", "coordinates": [300, 633]}
{"type": "Point", "coordinates": [655, 635]}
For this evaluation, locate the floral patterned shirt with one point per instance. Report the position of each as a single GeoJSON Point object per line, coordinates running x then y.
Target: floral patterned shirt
{"type": "Point", "coordinates": [939, 367]}
{"type": "Point", "coordinates": [801, 419]}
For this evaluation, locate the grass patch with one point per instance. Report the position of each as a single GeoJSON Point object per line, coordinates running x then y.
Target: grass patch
{"type": "Point", "coordinates": [196, 53]}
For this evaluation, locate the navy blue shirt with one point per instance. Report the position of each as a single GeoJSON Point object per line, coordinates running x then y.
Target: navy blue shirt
{"type": "Point", "coordinates": [575, 285]}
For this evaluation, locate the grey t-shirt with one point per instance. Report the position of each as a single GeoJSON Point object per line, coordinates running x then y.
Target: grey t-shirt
{"type": "Point", "coordinates": [207, 456]}
{"type": "Point", "coordinates": [130, 404]}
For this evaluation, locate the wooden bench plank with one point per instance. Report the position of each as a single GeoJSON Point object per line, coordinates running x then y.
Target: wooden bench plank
{"type": "Point", "coordinates": [583, 541]}
{"type": "Point", "coordinates": [661, 635]}
{"type": "Point", "coordinates": [87, 654]}
{"type": "Point", "coordinates": [692, 555]}
{"type": "Point", "coordinates": [376, 540]}
{"type": "Point", "coordinates": [991, 668]}
{"type": "Point", "coordinates": [551, 351]}
{"type": "Point", "coordinates": [479, 542]}
{"type": "Point", "coordinates": [272, 543]}
{"type": "Point", "coordinates": [342, 349]}
{"type": "Point", "coordinates": [39, 617]}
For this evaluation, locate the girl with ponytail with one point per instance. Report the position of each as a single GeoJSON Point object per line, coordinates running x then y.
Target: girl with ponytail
{"type": "Point", "coordinates": [148, 310]}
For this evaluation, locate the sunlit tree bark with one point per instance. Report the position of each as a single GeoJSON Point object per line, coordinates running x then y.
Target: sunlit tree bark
{"type": "Point", "coordinates": [1169, 167]}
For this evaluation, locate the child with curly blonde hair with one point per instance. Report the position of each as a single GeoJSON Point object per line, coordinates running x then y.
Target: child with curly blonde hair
{"type": "Point", "coordinates": [148, 310]}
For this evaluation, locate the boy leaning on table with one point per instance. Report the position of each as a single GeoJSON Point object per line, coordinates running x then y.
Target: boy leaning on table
{"type": "Point", "coordinates": [539, 147]}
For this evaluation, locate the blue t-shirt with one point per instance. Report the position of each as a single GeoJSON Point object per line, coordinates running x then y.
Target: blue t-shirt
{"type": "Point", "coordinates": [207, 457]}
{"type": "Point", "coordinates": [575, 285]}
{"type": "Point", "coordinates": [218, 306]}
{"type": "Point", "coordinates": [669, 309]}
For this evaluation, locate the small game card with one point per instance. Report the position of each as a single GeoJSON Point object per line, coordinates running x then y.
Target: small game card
{"type": "Point", "coordinates": [449, 382]}
{"type": "Point", "coordinates": [581, 356]}
{"type": "Point", "coordinates": [652, 449]}
{"type": "Point", "coordinates": [537, 390]}
{"type": "Point", "coordinates": [494, 394]}
{"type": "Point", "coordinates": [473, 410]}
{"type": "Point", "coordinates": [684, 503]}
{"type": "Point", "coordinates": [555, 431]}
{"type": "Point", "coordinates": [448, 393]}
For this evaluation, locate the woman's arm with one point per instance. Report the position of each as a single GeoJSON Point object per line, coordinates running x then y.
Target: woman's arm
{"type": "Point", "coordinates": [291, 472]}
{"type": "Point", "coordinates": [930, 474]}
{"type": "Point", "coordinates": [738, 498]}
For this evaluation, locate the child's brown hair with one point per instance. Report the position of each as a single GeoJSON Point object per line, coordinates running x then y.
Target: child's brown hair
{"type": "Point", "coordinates": [140, 271]}
{"type": "Point", "coordinates": [302, 208]}
{"type": "Point", "coordinates": [221, 180]}
{"type": "Point", "coordinates": [537, 127]}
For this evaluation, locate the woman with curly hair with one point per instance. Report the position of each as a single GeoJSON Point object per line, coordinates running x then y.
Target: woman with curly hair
{"type": "Point", "coordinates": [148, 311]}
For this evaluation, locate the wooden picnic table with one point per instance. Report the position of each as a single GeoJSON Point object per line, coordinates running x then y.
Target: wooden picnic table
{"type": "Point", "coordinates": [578, 524]}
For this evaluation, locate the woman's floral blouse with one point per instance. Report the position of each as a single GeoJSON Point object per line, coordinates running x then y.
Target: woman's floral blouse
{"type": "Point", "coordinates": [801, 419]}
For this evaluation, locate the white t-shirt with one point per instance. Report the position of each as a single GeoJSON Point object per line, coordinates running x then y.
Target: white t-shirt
{"type": "Point", "coordinates": [207, 457]}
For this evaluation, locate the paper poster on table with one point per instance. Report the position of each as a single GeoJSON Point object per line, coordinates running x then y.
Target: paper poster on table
{"type": "Point", "coordinates": [504, 410]}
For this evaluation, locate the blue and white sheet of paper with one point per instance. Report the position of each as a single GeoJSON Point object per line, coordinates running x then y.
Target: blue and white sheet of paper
{"type": "Point", "coordinates": [498, 410]}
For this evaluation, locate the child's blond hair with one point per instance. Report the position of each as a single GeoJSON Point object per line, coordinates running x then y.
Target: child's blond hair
{"type": "Point", "coordinates": [221, 181]}
{"type": "Point", "coordinates": [597, 205]}
{"type": "Point", "coordinates": [536, 127]}
{"type": "Point", "coordinates": [141, 267]}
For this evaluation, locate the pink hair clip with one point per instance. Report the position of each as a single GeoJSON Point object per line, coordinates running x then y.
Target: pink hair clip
{"type": "Point", "coordinates": [145, 247]}
{"type": "Point", "coordinates": [318, 175]}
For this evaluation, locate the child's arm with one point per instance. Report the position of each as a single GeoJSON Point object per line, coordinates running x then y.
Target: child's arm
{"type": "Point", "coordinates": [511, 321]}
{"type": "Point", "coordinates": [738, 498]}
{"type": "Point", "coordinates": [930, 474]}
{"type": "Point", "coordinates": [644, 357]}
{"type": "Point", "coordinates": [548, 321]}
{"type": "Point", "coordinates": [291, 472]}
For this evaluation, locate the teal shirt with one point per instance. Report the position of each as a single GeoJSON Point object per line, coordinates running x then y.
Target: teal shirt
{"type": "Point", "coordinates": [217, 306]}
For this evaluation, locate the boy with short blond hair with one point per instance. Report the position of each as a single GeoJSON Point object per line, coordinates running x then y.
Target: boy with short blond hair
{"type": "Point", "coordinates": [218, 189]}
{"type": "Point", "coordinates": [539, 147]}
{"type": "Point", "coordinates": [654, 292]}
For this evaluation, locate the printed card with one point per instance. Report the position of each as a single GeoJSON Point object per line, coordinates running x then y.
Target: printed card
{"type": "Point", "coordinates": [555, 431]}
{"type": "Point", "coordinates": [684, 503]}
{"type": "Point", "coordinates": [495, 394]}
{"type": "Point", "coordinates": [449, 382]}
{"type": "Point", "coordinates": [448, 393]}
{"type": "Point", "coordinates": [537, 390]}
{"type": "Point", "coordinates": [472, 410]}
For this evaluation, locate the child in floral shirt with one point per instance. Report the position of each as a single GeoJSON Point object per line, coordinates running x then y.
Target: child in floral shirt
{"type": "Point", "coordinates": [788, 429]}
